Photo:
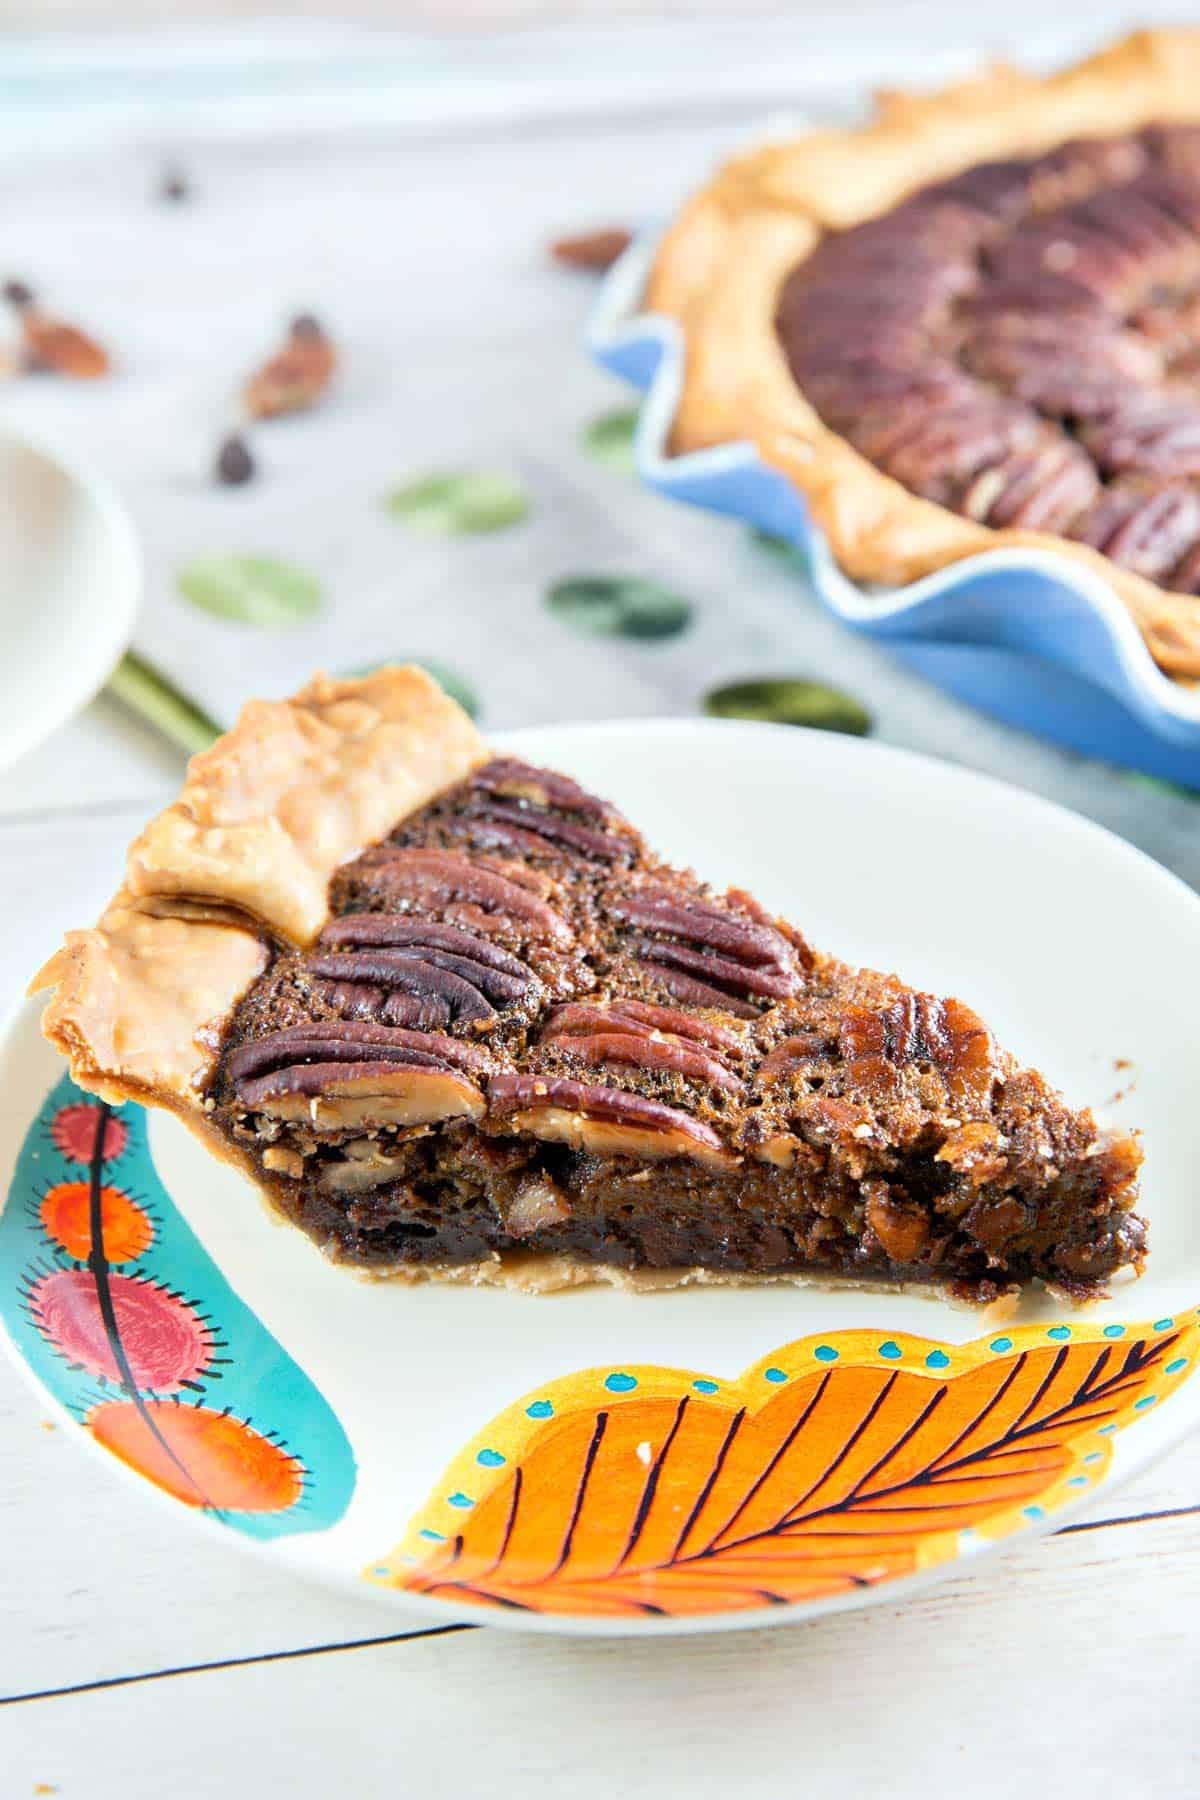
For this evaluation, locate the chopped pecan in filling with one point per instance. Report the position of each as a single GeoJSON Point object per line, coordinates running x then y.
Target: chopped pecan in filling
{"type": "Point", "coordinates": [519, 1030]}
{"type": "Point", "coordinates": [1021, 344]}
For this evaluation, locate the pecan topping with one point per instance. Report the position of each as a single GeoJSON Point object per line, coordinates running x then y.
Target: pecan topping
{"type": "Point", "coordinates": [395, 930]}
{"type": "Point", "coordinates": [642, 1050]}
{"type": "Point", "coordinates": [603, 1119]}
{"type": "Point", "coordinates": [457, 992]}
{"type": "Point", "coordinates": [348, 1042]}
{"type": "Point", "coordinates": [1155, 434]}
{"type": "Point", "coordinates": [603, 1015]}
{"type": "Point", "coordinates": [726, 951]}
{"type": "Point", "coordinates": [295, 377]}
{"type": "Point", "coordinates": [718, 971]}
{"type": "Point", "coordinates": [465, 892]}
{"type": "Point", "coordinates": [336, 1096]}
{"type": "Point", "coordinates": [921, 1029]}
{"type": "Point", "coordinates": [359, 1000]}
{"type": "Point", "coordinates": [1042, 488]}
{"type": "Point", "coordinates": [533, 823]}
{"type": "Point", "coordinates": [1146, 532]}
{"type": "Point", "coordinates": [515, 780]}
{"type": "Point", "coordinates": [791, 1053]}
{"type": "Point", "coordinates": [1006, 341]}
{"type": "Point", "coordinates": [697, 993]}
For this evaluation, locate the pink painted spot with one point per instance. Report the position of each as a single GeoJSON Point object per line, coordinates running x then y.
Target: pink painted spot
{"type": "Point", "coordinates": [164, 1340]}
{"type": "Point", "coordinates": [73, 1132]}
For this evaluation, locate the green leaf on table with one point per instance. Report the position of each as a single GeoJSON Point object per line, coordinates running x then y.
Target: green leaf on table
{"type": "Point", "coordinates": [147, 692]}
{"type": "Point", "coordinates": [447, 679]}
{"type": "Point", "coordinates": [1157, 785]}
{"type": "Point", "coordinates": [783, 549]}
{"type": "Point", "coordinates": [790, 701]}
{"type": "Point", "coordinates": [609, 438]}
{"type": "Point", "coordinates": [254, 590]}
{"type": "Point", "coordinates": [618, 606]}
{"type": "Point", "coordinates": [466, 501]}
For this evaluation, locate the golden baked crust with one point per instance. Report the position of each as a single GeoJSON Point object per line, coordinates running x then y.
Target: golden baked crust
{"type": "Point", "coordinates": [723, 262]}
{"type": "Point", "coordinates": [244, 855]}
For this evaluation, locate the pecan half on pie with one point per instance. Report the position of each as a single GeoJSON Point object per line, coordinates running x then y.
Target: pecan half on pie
{"type": "Point", "coordinates": [456, 1018]}
{"type": "Point", "coordinates": [972, 323]}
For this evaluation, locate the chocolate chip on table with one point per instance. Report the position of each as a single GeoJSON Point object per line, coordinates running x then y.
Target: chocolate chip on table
{"type": "Point", "coordinates": [174, 186]}
{"type": "Point", "coordinates": [235, 465]}
{"type": "Point", "coordinates": [17, 294]}
{"type": "Point", "coordinates": [595, 250]}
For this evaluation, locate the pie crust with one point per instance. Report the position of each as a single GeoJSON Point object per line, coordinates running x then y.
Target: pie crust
{"type": "Point", "coordinates": [723, 262]}
{"type": "Point", "coordinates": [243, 857]}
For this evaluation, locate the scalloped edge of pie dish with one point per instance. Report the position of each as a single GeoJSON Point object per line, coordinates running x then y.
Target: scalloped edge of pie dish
{"type": "Point", "coordinates": [1026, 635]}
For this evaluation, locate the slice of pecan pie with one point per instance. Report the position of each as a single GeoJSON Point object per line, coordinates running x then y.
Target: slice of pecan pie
{"type": "Point", "coordinates": [972, 322]}
{"type": "Point", "coordinates": [456, 1018]}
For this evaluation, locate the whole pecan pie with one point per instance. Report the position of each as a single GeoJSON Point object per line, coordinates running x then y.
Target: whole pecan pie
{"type": "Point", "coordinates": [456, 1018]}
{"type": "Point", "coordinates": [972, 322]}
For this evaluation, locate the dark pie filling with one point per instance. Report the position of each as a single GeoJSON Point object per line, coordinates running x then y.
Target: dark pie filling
{"type": "Point", "coordinates": [1021, 343]}
{"type": "Point", "coordinates": [521, 1031]}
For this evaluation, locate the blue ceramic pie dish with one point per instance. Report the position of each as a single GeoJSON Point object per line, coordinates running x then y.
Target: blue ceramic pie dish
{"type": "Point", "coordinates": [1026, 635]}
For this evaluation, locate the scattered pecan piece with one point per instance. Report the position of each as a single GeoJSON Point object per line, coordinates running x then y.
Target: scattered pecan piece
{"type": "Point", "coordinates": [53, 347]}
{"type": "Point", "coordinates": [594, 250]}
{"type": "Point", "coordinates": [296, 376]}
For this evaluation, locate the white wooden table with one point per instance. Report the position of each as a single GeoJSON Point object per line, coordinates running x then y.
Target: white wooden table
{"type": "Point", "coordinates": [146, 1658]}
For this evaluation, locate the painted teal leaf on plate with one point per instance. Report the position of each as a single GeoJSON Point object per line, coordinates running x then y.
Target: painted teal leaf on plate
{"type": "Point", "coordinates": [619, 606]}
{"type": "Point", "coordinates": [463, 501]}
{"type": "Point", "coordinates": [610, 438]}
{"type": "Point", "coordinates": [253, 590]}
{"type": "Point", "coordinates": [790, 701]}
{"type": "Point", "coordinates": [122, 1316]}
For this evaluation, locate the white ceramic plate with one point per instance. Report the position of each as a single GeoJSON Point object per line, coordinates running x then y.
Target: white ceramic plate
{"type": "Point", "coordinates": [70, 577]}
{"type": "Point", "coordinates": [587, 1447]}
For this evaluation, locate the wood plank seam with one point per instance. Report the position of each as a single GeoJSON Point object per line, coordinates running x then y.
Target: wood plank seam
{"type": "Point", "coordinates": [233, 1662]}
{"type": "Point", "coordinates": [401, 1637]}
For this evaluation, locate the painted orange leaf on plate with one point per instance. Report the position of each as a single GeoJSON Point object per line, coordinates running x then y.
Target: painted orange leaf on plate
{"type": "Point", "coordinates": [853, 1463]}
